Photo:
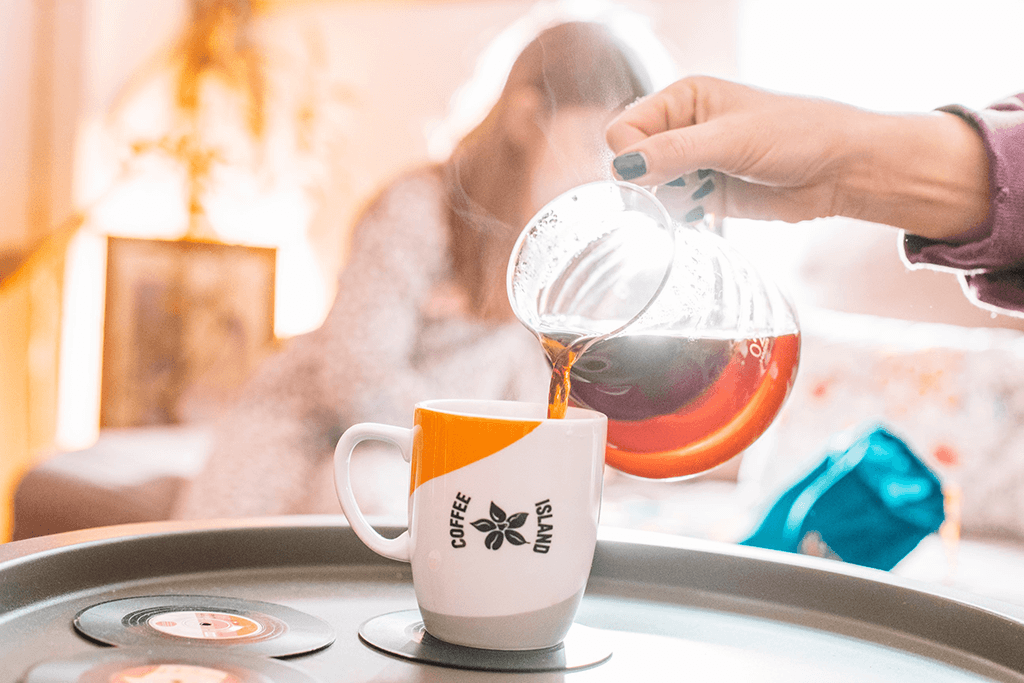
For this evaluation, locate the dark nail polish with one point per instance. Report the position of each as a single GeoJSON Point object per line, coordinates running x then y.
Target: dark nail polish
{"type": "Point", "coordinates": [630, 166]}
{"type": "Point", "coordinates": [704, 173]}
{"type": "Point", "coordinates": [704, 190]}
{"type": "Point", "coordinates": [678, 182]}
{"type": "Point", "coordinates": [694, 214]}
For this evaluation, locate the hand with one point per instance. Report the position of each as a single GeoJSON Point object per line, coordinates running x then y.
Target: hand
{"type": "Point", "coordinates": [795, 158]}
{"type": "Point", "coordinates": [782, 154]}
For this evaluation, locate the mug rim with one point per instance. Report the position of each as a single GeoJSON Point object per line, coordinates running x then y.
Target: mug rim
{"type": "Point", "coordinates": [516, 410]}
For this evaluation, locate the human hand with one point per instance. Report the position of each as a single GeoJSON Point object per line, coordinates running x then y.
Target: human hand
{"type": "Point", "coordinates": [782, 155]}
{"type": "Point", "coordinates": [795, 158]}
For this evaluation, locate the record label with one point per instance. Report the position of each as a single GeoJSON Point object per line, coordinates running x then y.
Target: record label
{"type": "Point", "coordinates": [213, 625]}
{"type": "Point", "coordinates": [173, 673]}
{"type": "Point", "coordinates": [204, 621]}
{"type": "Point", "coordinates": [166, 665]}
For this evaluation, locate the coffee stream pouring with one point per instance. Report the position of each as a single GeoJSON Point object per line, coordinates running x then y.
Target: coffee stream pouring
{"type": "Point", "coordinates": [659, 324]}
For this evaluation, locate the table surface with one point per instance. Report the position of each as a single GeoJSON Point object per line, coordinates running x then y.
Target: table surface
{"type": "Point", "coordinates": [666, 605]}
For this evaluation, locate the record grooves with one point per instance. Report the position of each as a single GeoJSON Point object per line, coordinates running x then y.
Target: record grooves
{"type": "Point", "coordinates": [203, 621]}
{"type": "Point", "coordinates": [402, 635]}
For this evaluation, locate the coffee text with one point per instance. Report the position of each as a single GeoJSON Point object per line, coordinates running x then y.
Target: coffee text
{"type": "Point", "coordinates": [457, 529]}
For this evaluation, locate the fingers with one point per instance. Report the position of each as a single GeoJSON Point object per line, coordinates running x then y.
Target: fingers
{"type": "Point", "coordinates": [672, 107]}
{"type": "Point", "coordinates": [669, 134]}
{"type": "Point", "coordinates": [773, 154]}
{"type": "Point", "coordinates": [663, 157]}
{"type": "Point", "coordinates": [694, 197]}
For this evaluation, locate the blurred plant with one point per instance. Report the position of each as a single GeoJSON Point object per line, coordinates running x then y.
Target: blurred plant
{"type": "Point", "coordinates": [218, 44]}
{"type": "Point", "coordinates": [219, 86]}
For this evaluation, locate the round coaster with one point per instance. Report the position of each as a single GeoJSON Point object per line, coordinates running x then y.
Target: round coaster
{"type": "Point", "coordinates": [162, 665]}
{"type": "Point", "coordinates": [402, 634]}
{"type": "Point", "coordinates": [203, 621]}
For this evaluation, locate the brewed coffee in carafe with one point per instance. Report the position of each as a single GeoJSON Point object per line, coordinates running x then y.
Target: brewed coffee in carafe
{"type": "Point", "coordinates": [662, 326]}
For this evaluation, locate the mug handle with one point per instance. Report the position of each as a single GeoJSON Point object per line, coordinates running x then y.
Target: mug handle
{"type": "Point", "coordinates": [395, 548]}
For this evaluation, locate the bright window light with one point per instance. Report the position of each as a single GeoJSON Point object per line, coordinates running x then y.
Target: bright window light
{"type": "Point", "coordinates": [885, 55]}
{"type": "Point", "coordinates": [892, 55]}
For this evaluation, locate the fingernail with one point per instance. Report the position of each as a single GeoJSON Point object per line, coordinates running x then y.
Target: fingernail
{"type": "Point", "coordinates": [678, 182]}
{"type": "Point", "coordinates": [704, 173]}
{"type": "Point", "coordinates": [630, 166]}
{"type": "Point", "coordinates": [694, 215]}
{"type": "Point", "coordinates": [704, 190]}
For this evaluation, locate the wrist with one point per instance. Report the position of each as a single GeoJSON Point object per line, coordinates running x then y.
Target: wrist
{"type": "Point", "coordinates": [925, 173]}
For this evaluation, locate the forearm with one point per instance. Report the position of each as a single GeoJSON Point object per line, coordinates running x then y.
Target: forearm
{"type": "Point", "coordinates": [925, 173]}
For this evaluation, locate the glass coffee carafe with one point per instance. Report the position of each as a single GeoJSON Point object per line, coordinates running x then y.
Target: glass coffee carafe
{"type": "Point", "coordinates": [659, 324]}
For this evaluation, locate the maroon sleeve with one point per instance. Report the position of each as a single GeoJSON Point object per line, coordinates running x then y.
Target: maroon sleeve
{"type": "Point", "coordinates": [990, 255]}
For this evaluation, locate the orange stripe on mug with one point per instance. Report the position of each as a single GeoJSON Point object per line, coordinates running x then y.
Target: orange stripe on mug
{"type": "Point", "coordinates": [446, 442]}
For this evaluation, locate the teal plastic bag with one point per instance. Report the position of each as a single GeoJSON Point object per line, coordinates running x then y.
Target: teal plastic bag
{"type": "Point", "coordinates": [870, 504]}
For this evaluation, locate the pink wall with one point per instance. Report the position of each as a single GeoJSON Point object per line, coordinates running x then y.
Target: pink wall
{"type": "Point", "coordinates": [397, 62]}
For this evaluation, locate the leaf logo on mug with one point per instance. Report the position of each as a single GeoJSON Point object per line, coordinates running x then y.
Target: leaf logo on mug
{"type": "Point", "coordinates": [501, 527]}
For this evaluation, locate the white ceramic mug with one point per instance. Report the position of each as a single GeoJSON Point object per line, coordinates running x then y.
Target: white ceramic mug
{"type": "Point", "coordinates": [503, 512]}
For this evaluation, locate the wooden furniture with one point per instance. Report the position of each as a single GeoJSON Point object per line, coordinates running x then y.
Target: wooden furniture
{"type": "Point", "coordinates": [186, 322]}
{"type": "Point", "coordinates": [30, 314]}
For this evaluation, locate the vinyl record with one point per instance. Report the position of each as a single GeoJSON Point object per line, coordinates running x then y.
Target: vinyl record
{"type": "Point", "coordinates": [164, 665]}
{"type": "Point", "coordinates": [402, 634]}
{"type": "Point", "coordinates": [204, 621]}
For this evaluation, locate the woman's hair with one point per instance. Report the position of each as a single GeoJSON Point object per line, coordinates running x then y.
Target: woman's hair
{"type": "Point", "coordinates": [574, 64]}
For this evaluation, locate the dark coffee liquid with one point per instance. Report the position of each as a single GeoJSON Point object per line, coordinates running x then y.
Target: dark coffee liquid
{"type": "Point", "coordinates": [676, 406]}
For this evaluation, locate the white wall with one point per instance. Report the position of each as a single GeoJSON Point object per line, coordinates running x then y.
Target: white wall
{"type": "Point", "coordinates": [896, 55]}
{"type": "Point", "coordinates": [41, 44]}
{"type": "Point", "coordinates": [380, 76]}
{"type": "Point", "coordinates": [400, 62]}
{"type": "Point", "coordinates": [16, 17]}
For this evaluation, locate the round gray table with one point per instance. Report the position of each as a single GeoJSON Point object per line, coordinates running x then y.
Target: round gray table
{"type": "Point", "coordinates": [669, 608]}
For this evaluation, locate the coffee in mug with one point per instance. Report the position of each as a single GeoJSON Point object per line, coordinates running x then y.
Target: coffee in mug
{"type": "Point", "coordinates": [503, 513]}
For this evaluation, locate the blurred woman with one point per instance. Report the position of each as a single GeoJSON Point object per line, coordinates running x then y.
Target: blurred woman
{"type": "Point", "coordinates": [421, 310]}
